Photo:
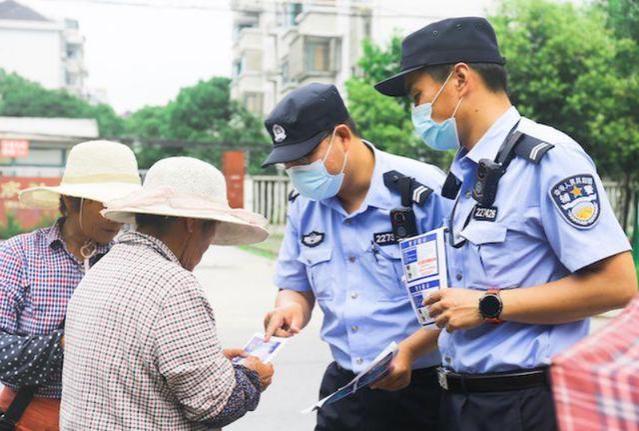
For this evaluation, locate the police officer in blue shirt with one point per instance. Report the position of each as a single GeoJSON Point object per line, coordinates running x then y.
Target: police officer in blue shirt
{"type": "Point", "coordinates": [339, 250]}
{"type": "Point", "coordinates": [535, 248]}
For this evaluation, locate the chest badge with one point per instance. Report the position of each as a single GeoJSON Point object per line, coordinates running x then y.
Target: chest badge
{"type": "Point", "coordinates": [485, 213]}
{"type": "Point", "coordinates": [577, 199]}
{"type": "Point", "coordinates": [313, 239]}
{"type": "Point", "coordinates": [384, 238]}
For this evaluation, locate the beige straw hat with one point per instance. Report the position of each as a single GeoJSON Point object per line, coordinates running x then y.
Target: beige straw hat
{"type": "Point", "coordinates": [96, 170]}
{"type": "Point", "coordinates": [188, 187]}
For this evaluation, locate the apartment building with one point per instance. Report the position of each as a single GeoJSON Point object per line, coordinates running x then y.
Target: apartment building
{"type": "Point", "coordinates": [40, 49]}
{"type": "Point", "coordinates": [281, 44]}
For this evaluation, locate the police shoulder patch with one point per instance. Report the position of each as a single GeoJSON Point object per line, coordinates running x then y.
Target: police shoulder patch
{"type": "Point", "coordinates": [577, 199]}
{"type": "Point", "coordinates": [313, 239]}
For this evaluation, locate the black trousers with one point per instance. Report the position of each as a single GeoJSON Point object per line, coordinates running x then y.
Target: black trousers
{"type": "Point", "coordinates": [414, 408]}
{"type": "Point", "coordinates": [520, 410]}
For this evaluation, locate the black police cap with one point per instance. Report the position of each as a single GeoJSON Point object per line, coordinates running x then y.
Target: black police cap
{"type": "Point", "coordinates": [450, 41]}
{"type": "Point", "coordinates": [302, 120]}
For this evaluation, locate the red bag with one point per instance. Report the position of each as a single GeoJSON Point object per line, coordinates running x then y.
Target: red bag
{"type": "Point", "coordinates": [42, 414]}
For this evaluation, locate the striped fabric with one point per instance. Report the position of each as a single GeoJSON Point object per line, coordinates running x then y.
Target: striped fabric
{"type": "Point", "coordinates": [596, 383]}
{"type": "Point", "coordinates": [39, 276]}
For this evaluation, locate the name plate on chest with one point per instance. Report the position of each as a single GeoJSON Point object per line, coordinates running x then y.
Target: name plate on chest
{"type": "Point", "coordinates": [485, 213]}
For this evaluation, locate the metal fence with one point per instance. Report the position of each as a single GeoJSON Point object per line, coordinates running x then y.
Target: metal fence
{"type": "Point", "coordinates": [268, 195]}
{"type": "Point", "coordinates": [617, 196]}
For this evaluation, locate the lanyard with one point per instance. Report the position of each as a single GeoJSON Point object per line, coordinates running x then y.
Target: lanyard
{"type": "Point", "coordinates": [504, 156]}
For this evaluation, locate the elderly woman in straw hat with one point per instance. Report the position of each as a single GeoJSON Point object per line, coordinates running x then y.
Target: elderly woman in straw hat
{"type": "Point", "coordinates": [142, 351]}
{"type": "Point", "coordinates": [40, 271]}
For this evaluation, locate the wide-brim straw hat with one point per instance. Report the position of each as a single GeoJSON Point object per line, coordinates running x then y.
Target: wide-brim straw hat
{"type": "Point", "coordinates": [191, 188]}
{"type": "Point", "coordinates": [98, 170]}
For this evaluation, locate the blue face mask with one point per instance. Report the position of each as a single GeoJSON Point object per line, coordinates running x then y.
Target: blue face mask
{"type": "Point", "coordinates": [314, 181]}
{"type": "Point", "coordinates": [438, 136]}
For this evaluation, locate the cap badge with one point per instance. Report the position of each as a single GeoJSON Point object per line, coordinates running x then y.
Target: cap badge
{"type": "Point", "coordinates": [279, 134]}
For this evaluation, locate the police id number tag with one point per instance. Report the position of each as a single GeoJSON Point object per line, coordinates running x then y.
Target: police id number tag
{"type": "Point", "coordinates": [485, 213]}
{"type": "Point", "coordinates": [384, 238]}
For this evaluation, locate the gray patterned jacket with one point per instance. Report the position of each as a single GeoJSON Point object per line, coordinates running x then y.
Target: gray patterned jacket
{"type": "Point", "coordinates": [141, 348]}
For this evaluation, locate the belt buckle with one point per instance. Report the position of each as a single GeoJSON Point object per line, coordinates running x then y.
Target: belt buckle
{"type": "Point", "coordinates": [442, 376]}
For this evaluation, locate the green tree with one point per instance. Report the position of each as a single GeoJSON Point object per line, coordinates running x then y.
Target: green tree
{"type": "Point", "coordinates": [623, 16]}
{"type": "Point", "coordinates": [383, 120]}
{"type": "Point", "coordinates": [201, 111]}
{"type": "Point", "coordinates": [200, 115]}
{"type": "Point", "coordinates": [206, 119]}
{"type": "Point", "coordinates": [570, 70]}
{"type": "Point", "coordinates": [23, 98]}
{"type": "Point", "coordinates": [149, 122]}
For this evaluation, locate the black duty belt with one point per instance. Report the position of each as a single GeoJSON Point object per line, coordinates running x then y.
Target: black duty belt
{"type": "Point", "coordinates": [427, 370]}
{"type": "Point", "coordinates": [498, 382]}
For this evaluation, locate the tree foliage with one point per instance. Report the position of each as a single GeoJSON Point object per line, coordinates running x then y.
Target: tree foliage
{"type": "Point", "coordinates": [572, 67]}
{"type": "Point", "coordinates": [383, 120]}
{"type": "Point", "coordinates": [203, 113]}
{"type": "Point", "coordinates": [206, 119]}
{"type": "Point", "coordinates": [578, 79]}
{"type": "Point", "coordinates": [623, 17]}
{"type": "Point", "coordinates": [20, 97]}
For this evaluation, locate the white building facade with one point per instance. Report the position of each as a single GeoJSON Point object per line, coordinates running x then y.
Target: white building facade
{"type": "Point", "coordinates": [42, 50]}
{"type": "Point", "coordinates": [279, 45]}
{"type": "Point", "coordinates": [31, 147]}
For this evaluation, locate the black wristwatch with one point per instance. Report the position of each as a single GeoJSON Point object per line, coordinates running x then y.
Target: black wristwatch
{"type": "Point", "coordinates": [490, 306]}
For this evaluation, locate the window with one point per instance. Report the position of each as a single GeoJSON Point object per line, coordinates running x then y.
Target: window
{"type": "Point", "coordinates": [252, 18]}
{"type": "Point", "coordinates": [70, 78]}
{"type": "Point", "coordinates": [253, 102]}
{"type": "Point", "coordinates": [238, 29]}
{"type": "Point", "coordinates": [317, 55]}
{"type": "Point", "coordinates": [42, 157]}
{"type": "Point", "coordinates": [246, 20]}
{"type": "Point", "coordinates": [286, 78]}
{"type": "Point", "coordinates": [71, 24]}
{"type": "Point", "coordinates": [237, 68]}
{"type": "Point", "coordinates": [252, 61]}
{"type": "Point", "coordinates": [294, 10]}
{"type": "Point", "coordinates": [314, 56]}
{"type": "Point", "coordinates": [367, 27]}
{"type": "Point", "coordinates": [72, 51]}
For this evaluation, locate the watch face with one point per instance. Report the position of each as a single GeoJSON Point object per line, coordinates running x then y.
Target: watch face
{"type": "Point", "coordinates": [490, 306]}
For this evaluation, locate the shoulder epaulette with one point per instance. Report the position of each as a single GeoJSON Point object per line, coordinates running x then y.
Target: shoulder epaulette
{"type": "Point", "coordinates": [531, 148]}
{"type": "Point", "coordinates": [451, 186]}
{"type": "Point", "coordinates": [397, 182]}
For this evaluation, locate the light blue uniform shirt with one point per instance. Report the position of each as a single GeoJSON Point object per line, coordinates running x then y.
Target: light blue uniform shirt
{"type": "Point", "coordinates": [553, 219]}
{"type": "Point", "coordinates": [357, 283]}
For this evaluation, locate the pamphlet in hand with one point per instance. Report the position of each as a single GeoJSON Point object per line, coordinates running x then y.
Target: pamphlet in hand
{"type": "Point", "coordinates": [265, 351]}
{"type": "Point", "coordinates": [375, 372]}
{"type": "Point", "coordinates": [425, 270]}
